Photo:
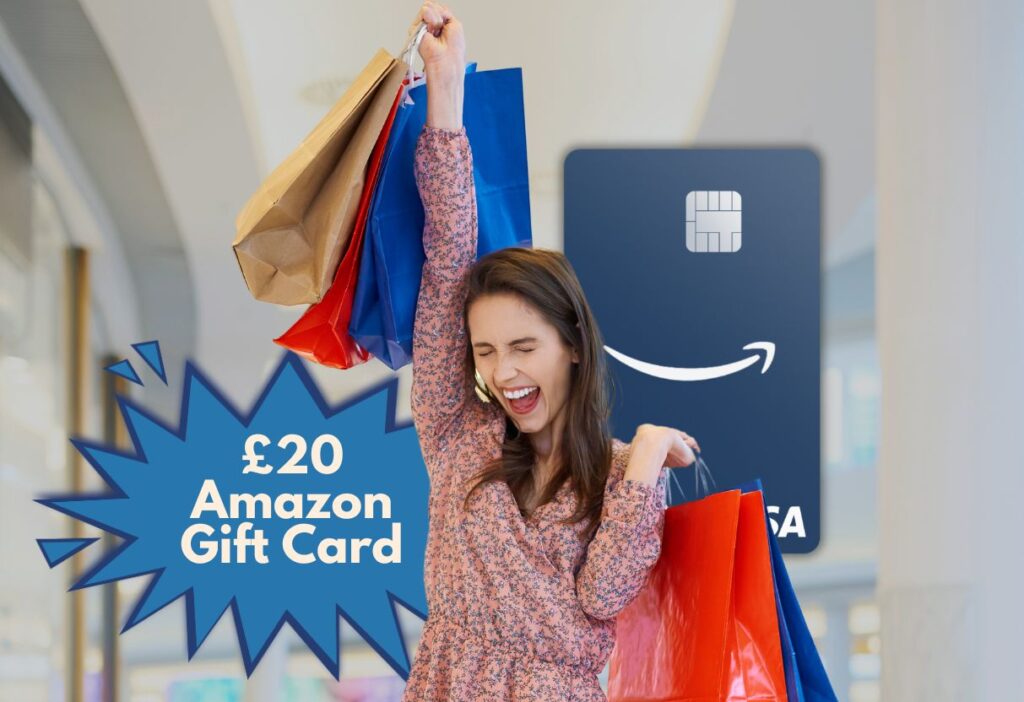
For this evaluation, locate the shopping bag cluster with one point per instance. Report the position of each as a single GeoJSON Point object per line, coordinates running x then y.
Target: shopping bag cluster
{"type": "Point", "coordinates": [339, 223]}
{"type": "Point", "coordinates": [718, 620]}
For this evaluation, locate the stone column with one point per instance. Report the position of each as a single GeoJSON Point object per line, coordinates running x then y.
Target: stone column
{"type": "Point", "coordinates": [950, 260]}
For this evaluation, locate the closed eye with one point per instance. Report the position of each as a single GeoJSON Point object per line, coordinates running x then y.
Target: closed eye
{"type": "Point", "coordinates": [481, 355]}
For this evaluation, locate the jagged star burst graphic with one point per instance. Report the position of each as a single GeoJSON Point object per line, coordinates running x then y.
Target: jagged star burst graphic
{"type": "Point", "coordinates": [154, 490]}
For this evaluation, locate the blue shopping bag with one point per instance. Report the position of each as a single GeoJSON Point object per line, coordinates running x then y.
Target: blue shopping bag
{"type": "Point", "coordinates": [385, 302]}
{"type": "Point", "coordinates": [366, 325]}
{"type": "Point", "coordinates": [806, 679]}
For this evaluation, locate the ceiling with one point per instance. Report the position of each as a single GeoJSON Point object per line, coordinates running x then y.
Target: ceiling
{"type": "Point", "coordinates": [179, 110]}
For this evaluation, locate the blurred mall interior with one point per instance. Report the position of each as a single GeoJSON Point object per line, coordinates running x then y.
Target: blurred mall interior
{"type": "Point", "coordinates": [132, 132]}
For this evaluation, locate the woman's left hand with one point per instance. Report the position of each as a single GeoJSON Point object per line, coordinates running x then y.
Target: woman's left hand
{"type": "Point", "coordinates": [655, 448]}
{"type": "Point", "coordinates": [681, 450]}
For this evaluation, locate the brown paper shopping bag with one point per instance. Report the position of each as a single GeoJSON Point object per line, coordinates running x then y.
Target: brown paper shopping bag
{"type": "Point", "coordinates": [293, 230]}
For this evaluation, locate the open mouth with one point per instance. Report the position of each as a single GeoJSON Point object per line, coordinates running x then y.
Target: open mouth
{"type": "Point", "coordinates": [525, 404]}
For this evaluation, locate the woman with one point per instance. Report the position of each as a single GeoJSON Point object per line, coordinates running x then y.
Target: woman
{"type": "Point", "coordinates": [529, 560]}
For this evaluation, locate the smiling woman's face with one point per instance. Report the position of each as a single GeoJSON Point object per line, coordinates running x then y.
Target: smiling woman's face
{"type": "Point", "coordinates": [516, 349]}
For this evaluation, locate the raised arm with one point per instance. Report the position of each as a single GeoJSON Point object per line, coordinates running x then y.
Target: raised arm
{"type": "Point", "coordinates": [444, 176]}
{"type": "Point", "coordinates": [626, 545]}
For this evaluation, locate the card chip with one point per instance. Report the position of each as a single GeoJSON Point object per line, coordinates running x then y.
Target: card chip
{"type": "Point", "coordinates": [713, 221]}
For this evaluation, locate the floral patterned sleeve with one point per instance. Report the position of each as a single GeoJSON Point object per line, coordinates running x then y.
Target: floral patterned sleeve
{"type": "Point", "coordinates": [444, 176]}
{"type": "Point", "coordinates": [626, 545]}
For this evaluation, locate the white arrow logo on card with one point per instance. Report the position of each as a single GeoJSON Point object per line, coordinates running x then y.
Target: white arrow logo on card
{"type": "Point", "coordinates": [673, 373]}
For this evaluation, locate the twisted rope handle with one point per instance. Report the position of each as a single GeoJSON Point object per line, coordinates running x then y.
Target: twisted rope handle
{"type": "Point", "coordinates": [703, 480]}
{"type": "Point", "coordinates": [408, 55]}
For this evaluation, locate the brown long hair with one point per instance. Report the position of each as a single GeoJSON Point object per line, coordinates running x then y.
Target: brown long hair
{"type": "Point", "coordinates": [545, 279]}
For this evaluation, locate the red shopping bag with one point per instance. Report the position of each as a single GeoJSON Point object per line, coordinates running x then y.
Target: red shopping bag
{"type": "Point", "coordinates": [705, 627]}
{"type": "Point", "coordinates": [321, 333]}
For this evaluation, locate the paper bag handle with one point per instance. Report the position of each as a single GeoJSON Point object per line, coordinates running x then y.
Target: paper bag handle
{"type": "Point", "coordinates": [703, 480]}
{"type": "Point", "coordinates": [409, 55]}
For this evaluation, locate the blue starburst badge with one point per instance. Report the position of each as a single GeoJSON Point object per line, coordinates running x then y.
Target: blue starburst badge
{"type": "Point", "coordinates": [297, 513]}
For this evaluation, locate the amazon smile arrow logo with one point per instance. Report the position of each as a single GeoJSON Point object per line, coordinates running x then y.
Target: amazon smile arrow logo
{"type": "Point", "coordinates": [673, 373]}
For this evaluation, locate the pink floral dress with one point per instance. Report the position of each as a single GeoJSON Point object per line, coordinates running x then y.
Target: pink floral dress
{"type": "Point", "coordinates": [518, 608]}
